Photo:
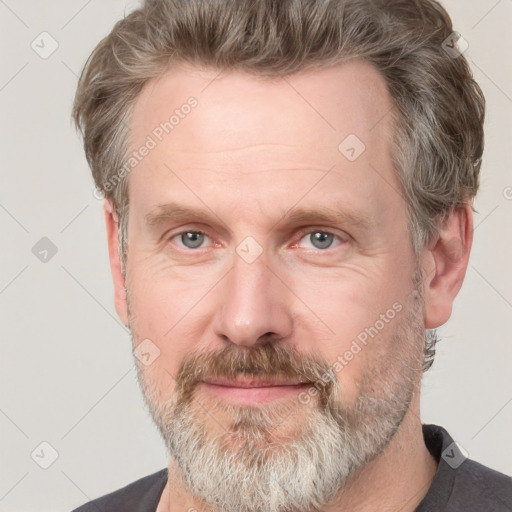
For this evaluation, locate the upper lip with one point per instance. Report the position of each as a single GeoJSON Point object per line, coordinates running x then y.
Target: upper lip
{"type": "Point", "coordinates": [241, 382]}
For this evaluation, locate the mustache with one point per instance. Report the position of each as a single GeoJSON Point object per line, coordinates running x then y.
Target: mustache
{"type": "Point", "coordinates": [270, 360]}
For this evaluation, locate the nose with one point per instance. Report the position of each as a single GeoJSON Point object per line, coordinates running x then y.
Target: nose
{"type": "Point", "coordinates": [254, 304]}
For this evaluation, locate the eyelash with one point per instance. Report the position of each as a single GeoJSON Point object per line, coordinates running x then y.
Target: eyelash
{"type": "Point", "coordinates": [310, 231]}
{"type": "Point", "coordinates": [300, 236]}
{"type": "Point", "coordinates": [197, 231]}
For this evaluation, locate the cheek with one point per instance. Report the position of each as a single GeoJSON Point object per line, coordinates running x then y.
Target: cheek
{"type": "Point", "coordinates": [159, 328]}
{"type": "Point", "coordinates": [359, 313]}
{"type": "Point", "coordinates": [160, 303]}
{"type": "Point", "coordinates": [343, 304]}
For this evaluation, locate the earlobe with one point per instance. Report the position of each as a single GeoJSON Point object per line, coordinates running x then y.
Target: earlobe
{"type": "Point", "coordinates": [448, 254]}
{"type": "Point", "coordinates": [111, 224]}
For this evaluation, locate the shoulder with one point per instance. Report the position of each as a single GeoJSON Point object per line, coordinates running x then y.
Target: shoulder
{"type": "Point", "coordinates": [461, 484]}
{"type": "Point", "coordinates": [481, 488]}
{"type": "Point", "coordinates": [139, 496]}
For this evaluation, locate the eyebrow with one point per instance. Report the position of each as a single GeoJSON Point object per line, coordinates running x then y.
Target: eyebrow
{"type": "Point", "coordinates": [175, 212]}
{"type": "Point", "coordinates": [341, 215]}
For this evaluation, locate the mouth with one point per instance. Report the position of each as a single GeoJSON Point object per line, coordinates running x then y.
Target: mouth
{"type": "Point", "coordinates": [253, 390]}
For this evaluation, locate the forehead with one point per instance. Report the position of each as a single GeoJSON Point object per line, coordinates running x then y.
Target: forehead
{"type": "Point", "coordinates": [309, 108]}
{"type": "Point", "coordinates": [244, 127]}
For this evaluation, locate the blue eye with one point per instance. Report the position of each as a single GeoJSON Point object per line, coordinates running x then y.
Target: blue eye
{"type": "Point", "coordinates": [317, 239]}
{"type": "Point", "coordinates": [192, 239]}
{"type": "Point", "coordinates": [320, 239]}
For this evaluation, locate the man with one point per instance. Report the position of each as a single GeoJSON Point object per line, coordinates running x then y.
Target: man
{"type": "Point", "coordinates": [288, 201]}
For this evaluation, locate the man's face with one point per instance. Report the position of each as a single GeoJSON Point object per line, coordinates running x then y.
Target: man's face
{"type": "Point", "coordinates": [249, 292]}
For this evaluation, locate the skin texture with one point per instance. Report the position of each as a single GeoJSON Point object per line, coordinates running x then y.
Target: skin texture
{"type": "Point", "coordinates": [250, 151]}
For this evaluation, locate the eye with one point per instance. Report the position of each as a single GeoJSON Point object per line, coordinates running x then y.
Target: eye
{"type": "Point", "coordinates": [319, 239]}
{"type": "Point", "coordinates": [190, 239]}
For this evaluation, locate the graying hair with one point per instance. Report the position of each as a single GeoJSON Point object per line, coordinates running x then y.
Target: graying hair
{"type": "Point", "coordinates": [438, 108]}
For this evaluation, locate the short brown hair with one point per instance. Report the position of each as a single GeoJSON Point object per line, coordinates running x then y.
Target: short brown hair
{"type": "Point", "coordinates": [438, 107]}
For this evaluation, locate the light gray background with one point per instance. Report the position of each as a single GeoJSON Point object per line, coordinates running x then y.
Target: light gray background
{"type": "Point", "coordinates": [66, 370]}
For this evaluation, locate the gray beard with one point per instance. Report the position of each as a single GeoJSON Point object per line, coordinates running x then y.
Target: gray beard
{"type": "Point", "coordinates": [245, 473]}
{"type": "Point", "coordinates": [288, 456]}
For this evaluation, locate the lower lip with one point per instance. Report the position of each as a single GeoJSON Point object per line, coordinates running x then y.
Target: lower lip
{"type": "Point", "coordinates": [254, 395]}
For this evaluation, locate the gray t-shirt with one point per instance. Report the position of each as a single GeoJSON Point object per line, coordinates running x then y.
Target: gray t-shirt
{"type": "Point", "coordinates": [459, 485]}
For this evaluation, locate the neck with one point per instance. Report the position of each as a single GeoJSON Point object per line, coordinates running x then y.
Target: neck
{"type": "Point", "coordinates": [397, 479]}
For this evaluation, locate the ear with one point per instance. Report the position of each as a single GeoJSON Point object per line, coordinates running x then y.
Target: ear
{"type": "Point", "coordinates": [445, 260]}
{"type": "Point", "coordinates": [111, 222]}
